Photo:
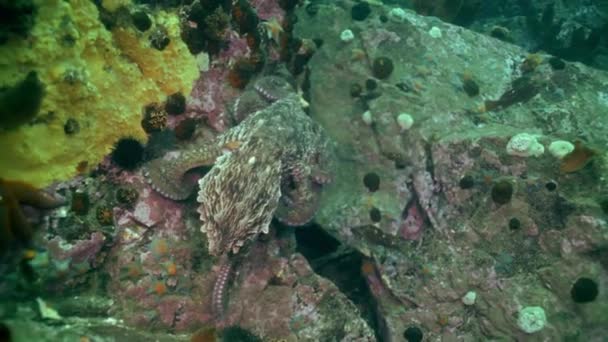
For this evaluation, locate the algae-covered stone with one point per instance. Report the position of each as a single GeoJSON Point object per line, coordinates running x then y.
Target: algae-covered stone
{"type": "Point", "coordinates": [90, 75]}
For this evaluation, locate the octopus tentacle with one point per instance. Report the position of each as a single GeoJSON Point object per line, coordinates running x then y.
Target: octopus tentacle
{"type": "Point", "coordinates": [248, 103]}
{"type": "Point", "coordinates": [35, 197]}
{"type": "Point", "coordinates": [301, 192]}
{"type": "Point", "coordinates": [167, 175]}
{"type": "Point", "coordinates": [14, 224]}
{"type": "Point", "coordinates": [219, 290]}
{"type": "Point", "coordinates": [299, 206]}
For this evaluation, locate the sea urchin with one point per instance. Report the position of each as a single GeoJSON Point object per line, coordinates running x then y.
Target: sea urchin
{"type": "Point", "coordinates": [128, 153]}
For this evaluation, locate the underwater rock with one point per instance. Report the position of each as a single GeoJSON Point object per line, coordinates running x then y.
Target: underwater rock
{"type": "Point", "coordinates": [447, 164]}
{"type": "Point", "coordinates": [117, 73]}
{"type": "Point", "coordinates": [445, 211]}
{"type": "Point", "coordinates": [283, 288]}
{"type": "Point", "coordinates": [573, 31]}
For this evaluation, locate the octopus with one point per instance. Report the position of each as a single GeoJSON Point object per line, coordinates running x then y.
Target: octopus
{"type": "Point", "coordinates": [274, 162]}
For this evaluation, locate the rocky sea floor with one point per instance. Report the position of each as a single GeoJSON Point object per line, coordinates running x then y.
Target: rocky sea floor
{"type": "Point", "coordinates": [339, 171]}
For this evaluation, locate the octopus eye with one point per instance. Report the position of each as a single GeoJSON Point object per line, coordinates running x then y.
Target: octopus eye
{"type": "Point", "coordinates": [291, 183]}
{"type": "Point", "coordinates": [317, 158]}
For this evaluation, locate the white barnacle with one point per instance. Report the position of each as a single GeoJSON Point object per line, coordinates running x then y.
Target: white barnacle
{"type": "Point", "coordinates": [405, 121]}
{"type": "Point", "coordinates": [347, 36]}
{"type": "Point", "coordinates": [435, 32]}
{"type": "Point", "coordinates": [367, 117]}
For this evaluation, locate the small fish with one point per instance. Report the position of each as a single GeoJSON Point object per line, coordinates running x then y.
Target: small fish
{"type": "Point", "coordinates": [577, 159]}
{"type": "Point", "coordinates": [274, 30]}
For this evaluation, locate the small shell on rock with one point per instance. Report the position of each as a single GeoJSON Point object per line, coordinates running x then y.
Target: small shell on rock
{"type": "Point", "coordinates": [367, 117]}
{"type": "Point", "coordinates": [405, 121]}
{"type": "Point", "coordinates": [347, 36]}
{"type": "Point", "coordinates": [469, 298]}
{"type": "Point", "coordinates": [435, 32]}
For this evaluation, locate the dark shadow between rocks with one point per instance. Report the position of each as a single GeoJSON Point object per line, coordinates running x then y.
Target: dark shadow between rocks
{"type": "Point", "coordinates": [342, 265]}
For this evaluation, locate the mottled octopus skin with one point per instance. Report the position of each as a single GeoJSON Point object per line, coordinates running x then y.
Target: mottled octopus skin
{"type": "Point", "coordinates": [274, 162]}
{"type": "Point", "coordinates": [241, 193]}
{"type": "Point", "coordinates": [259, 96]}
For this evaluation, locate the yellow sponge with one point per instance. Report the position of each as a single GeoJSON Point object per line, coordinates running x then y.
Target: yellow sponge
{"type": "Point", "coordinates": [100, 79]}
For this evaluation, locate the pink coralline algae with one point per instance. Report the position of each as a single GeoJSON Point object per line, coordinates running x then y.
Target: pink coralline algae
{"type": "Point", "coordinates": [151, 209]}
{"type": "Point", "coordinates": [427, 191]}
{"type": "Point", "coordinates": [152, 277]}
{"type": "Point", "coordinates": [211, 90]}
{"type": "Point", "coordinates": [168, 309]}
{"type": "Point", "coordinates": [280, 297]}
{"type": "Point", "coordinates": [411, 227]}
{"type": "Point", "coordinates": [374, 37]}
{"type": "Point", "coordinates": [237, 49]}
{"type": "Point", "coordinates": [208, 96]}
{"type": "Point", "coordinates": [268, 9]}
{"type": "Point", "coordinates": [79, 251]}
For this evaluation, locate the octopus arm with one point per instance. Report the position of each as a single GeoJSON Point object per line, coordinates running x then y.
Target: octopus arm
{"type": "Point", "coordinates": [167, 175]}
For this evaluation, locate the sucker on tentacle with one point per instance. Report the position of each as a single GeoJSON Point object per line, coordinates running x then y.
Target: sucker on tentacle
{"type": "Point", "coordinates": [220, 288]}
{"type": "Point", "coordinates": [167, 175]}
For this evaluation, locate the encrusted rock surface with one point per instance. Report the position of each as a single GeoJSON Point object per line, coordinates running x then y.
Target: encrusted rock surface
{"type": "Point", "coordinates": [467, 243]}
{"type": "Point", "coordinates": [433, 211]}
